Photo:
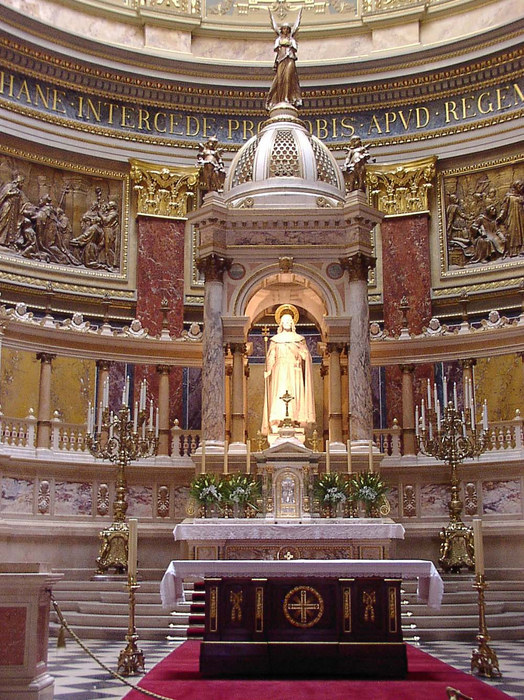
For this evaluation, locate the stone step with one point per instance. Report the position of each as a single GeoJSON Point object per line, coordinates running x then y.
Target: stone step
{"type": "Point", "coordinates": [78, 620]}
{"type": "Point", "coordinates": [507, 619]}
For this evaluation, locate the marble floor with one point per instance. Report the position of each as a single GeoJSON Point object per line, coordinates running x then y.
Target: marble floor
{"type": "Point", "coordinates": [78, 677]}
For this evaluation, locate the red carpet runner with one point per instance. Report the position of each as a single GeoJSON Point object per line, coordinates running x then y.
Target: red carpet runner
{"type": "Point", "coordinates": [177, 677]}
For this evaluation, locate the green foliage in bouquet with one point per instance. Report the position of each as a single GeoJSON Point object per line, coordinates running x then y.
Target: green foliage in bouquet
{"type": "Point", "coordinates": [242, 489]}
{"type": "Point", "coordinates": [331, 489]}
{"type": "Point", "coordinates": [207, 488]}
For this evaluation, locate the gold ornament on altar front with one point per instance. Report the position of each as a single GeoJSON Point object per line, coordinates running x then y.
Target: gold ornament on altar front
{"type": "Point", "coordinates": [303, 606]}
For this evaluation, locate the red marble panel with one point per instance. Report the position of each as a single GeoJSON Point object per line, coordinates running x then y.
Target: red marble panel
{"type": "Point", "coordinates": [12, 635]}
{"type": "Point", "coordinates": [406, 271]}
{"type": "Point", "coordinates": [160, 275]}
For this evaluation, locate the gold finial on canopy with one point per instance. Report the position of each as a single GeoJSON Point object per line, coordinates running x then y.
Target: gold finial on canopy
{"type": "Point", "coordinates": [287, 309]}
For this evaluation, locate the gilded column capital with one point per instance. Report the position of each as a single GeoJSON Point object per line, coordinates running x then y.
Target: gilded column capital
{"type": "Point", "coordinates": [45, 357]}
{"type": "Point", "coordinates": [324, 371]}
{"type": "Point", "coordinates": [407, 368]}
{"type": "Point", "coordinates": [335, 347]}
{"type": "Point", "coordinates": [468, 363]}
{"type": "Point", "coordinates": [164, 190]}
{"type": "Point", "coordinates": [402, 188]}
{"type": "Point", "coordinates": [213, 266]}
{"type": "Point", "coordinates": [103, 365]}
{"type": "Point", "coordinates": [358, 265]}
{"type": "Point", "coordinates": [238, 347]}
{"type": "Point", "coordinates": [163, 369]}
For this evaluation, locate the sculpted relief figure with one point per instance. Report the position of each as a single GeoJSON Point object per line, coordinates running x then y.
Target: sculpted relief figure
{"type": "Point", "coordinates": [44, 232]}
{"type": "Point", "coordinates": [512, 215]}
{"type": "Point", "coordinates": [354, 167]}
{"type": "Point", "coordinates": [285, 86]}
{"type": "Point", "coordinates": [288, 369]}
{"type": "Point", "coordinates": [213, 172]}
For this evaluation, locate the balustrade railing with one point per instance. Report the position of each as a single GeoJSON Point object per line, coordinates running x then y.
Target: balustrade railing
{"type": "Point", "coordinates": [504, 436]}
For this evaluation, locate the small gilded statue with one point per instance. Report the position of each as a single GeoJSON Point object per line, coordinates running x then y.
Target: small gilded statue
{"type": "Point", "coordinates": [355, 165]}
{"type": "Point", "coordinates": [212, 170]}
{"type": "Point", "coordinates": [285, 86]}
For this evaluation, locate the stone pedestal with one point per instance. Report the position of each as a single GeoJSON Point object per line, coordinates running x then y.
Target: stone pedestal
{"type": "Point", "coordinates": [24, 629]}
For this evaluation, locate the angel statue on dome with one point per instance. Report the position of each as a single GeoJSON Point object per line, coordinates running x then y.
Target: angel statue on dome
{"type": "Point", "coordinates": [288, 370]}
{"type": "Point", "coordinates": [285, 86]}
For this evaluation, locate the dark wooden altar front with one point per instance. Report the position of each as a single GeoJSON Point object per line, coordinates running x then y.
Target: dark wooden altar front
{"type": "Point", "coordinates": [303, 627]}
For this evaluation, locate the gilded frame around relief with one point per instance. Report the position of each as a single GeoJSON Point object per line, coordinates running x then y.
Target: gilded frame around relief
{"type": "Point", "coordinates": [193, 278]}
{"type": "Point", "coordinates": [65, 223]}
{"type": "Point", "coordinates": [481, 218]}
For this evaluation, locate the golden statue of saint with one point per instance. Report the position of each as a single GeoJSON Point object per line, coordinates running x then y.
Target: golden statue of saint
{"type": "Point", "coordinates": [288, 369]}
{"type": "Point", "coordinates": [285, 86]}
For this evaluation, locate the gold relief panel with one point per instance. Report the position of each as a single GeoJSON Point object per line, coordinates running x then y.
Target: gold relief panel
{"type": "Point", "coordinates": [402, 188]}
{"type": "Point", "coordinates": [67, 222]}
{"type": "Point", "coordinates": [164, 191]}
{"type": "Point", "coordinates": [481, 217]}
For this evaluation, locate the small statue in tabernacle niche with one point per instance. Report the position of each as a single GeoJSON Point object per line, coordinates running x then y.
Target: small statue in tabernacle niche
{"type": "Point", "coordinates": [36, 228]}
{"type": "Point", "coordinates": [212, 170]}
{"type": "Point", "coordinates": [354, 167]}
{"type": "Point", "coordinates": [484, 217]}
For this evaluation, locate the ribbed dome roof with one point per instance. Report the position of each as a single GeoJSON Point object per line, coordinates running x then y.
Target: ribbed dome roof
{"type": "Point", "coordinates": [284, 160]}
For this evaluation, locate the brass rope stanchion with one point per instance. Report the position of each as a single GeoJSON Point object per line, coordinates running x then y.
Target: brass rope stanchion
{"type": "Point", "coordinates": [88, 651]}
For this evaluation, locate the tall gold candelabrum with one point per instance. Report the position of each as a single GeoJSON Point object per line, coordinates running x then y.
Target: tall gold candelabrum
{"type": "Point", "coordinates": [451, 436]}
{"type": "Point", "coordinates": [121, 439]}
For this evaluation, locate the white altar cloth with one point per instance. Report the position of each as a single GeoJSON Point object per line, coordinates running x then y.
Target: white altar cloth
{"type": "Point", "coordinates": [430, 585]}
{"type": "Point", "coordinates": [322, 529]}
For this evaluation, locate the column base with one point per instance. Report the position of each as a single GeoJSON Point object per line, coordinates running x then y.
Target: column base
{"type": "Point", "coordinates": [41, 688]}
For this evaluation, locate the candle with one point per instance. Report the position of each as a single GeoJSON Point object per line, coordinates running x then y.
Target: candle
{"type": "Point", "coordinates": [100, 416]}
{"type": "Point", "coordinates": [248, 457]}
{"type": "Point", "coordinates": [111, 424]}
{"type": "Point", "coordinates": [479, 546]}
{"type": "Point", "coordinates": [466, 393]}
{"type": "Point", "coordinates": [143, 391]}
{"type": "Point", "coordinates": [371, 455]}
{"type": "Point", "coordinates": [132, 547]}
{"type": "Point", "coordinates": [435, 396]}
{"type": "Point", "coordinates": [203, 463]}
{"type": "Point", "coordinates": [157, 420]}
{"type": "Point", "coordinates": [445, 391]}
{"type": "Point", "coordinates": [349, 456]}
{"type": "Point", "coordinates": [438, 416]}
{"type": "Point", "coordinates": [455, 401]}
{"type": "Point", "coordinates": [424, 415]}
{"type": "Point", "coordinates": [463, 424]}
{"type": "Point", "coordinates": [328, 466]}
{"type": "Point", "coordinates": [89, 418]}
{"type": "Point", "coordinates": [226, 446]}
{"type": "Point", "coordinates": [135, 418]}
{"type": "Point", "coordinates": [105, 393]}
{"type": "Point", "coordinates": [472, 409]}
{"type": "Point", "coordinates": [429, 394]}
{"type": "Point", "coordinates": [150, 426]}
{"type": "Point", "coordinates": [125, 397]}
{"type": "Point", "coordinates": [485, 415]}
{"type": "Point", "coordinates": [416, 421]}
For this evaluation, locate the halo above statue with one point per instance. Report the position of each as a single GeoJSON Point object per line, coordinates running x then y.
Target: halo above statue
{"type": "Point", "coordinates": [287, 309]}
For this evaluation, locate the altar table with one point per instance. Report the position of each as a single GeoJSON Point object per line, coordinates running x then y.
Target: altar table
{"type": "Point", "coordinates": [325, 538]}
{"type": "Point", "coordinates": [303, 617]}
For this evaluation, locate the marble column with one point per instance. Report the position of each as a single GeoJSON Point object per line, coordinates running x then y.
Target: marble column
{"type": "Point", "coordinates": [163, 409]}
{"type": "Point", "coordinates": [345, 397]}
{"type": "Point", "coordinates": [360, 395]}
{"type": "Point", "coordinates": [408, 416]}
{"type": "Point", "coordinates": [237, 393]}
{"type": "Point", "coordinates": [213, 267]}
{"type": "Point", "coordinates": [43, 425]}
{"type": "Point", "coordinates": [324, 374]}
{"type": "Point", "coordinates": [335, 393]}
{"type": "Point", "coordinates": [103, 367]}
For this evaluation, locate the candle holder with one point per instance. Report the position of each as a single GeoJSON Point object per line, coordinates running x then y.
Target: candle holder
{"type": "Point", "coordinates": [120, 440]}
{"type": "Point", "coordinates": [452, 437]}
{"type": "Point", "coordinates": [484, 660]}
{"type": "Point", "coordinates": [131, 659]}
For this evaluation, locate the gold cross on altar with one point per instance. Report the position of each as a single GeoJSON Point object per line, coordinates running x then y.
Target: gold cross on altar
{"type": "Point", "coordinates": [305, 604]}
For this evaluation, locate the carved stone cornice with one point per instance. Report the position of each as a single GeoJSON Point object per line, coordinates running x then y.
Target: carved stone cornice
{"type": "Point", "coordinates": [162, 190]}
{"type": "Point", "coordinates": [213, 266]}
{"type": "Point", "coordinates": [401, 188]}
{"type": "Point", "coordinates": [358, 265]}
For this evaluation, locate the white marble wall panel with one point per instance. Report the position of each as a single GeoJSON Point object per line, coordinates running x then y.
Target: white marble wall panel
{"type": "Point", "coordinates": [17, 496]}
{"type": "Point", "coordinates": [501, 497]}
{"type": "Point", "coordinates": [180, 502]}
{"type": "Point", "coordinates": [434, 499]}
{"type": "Point", "coordinates": [73, 498]}
{"type": "Point", "coordinates": [140, 500]}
